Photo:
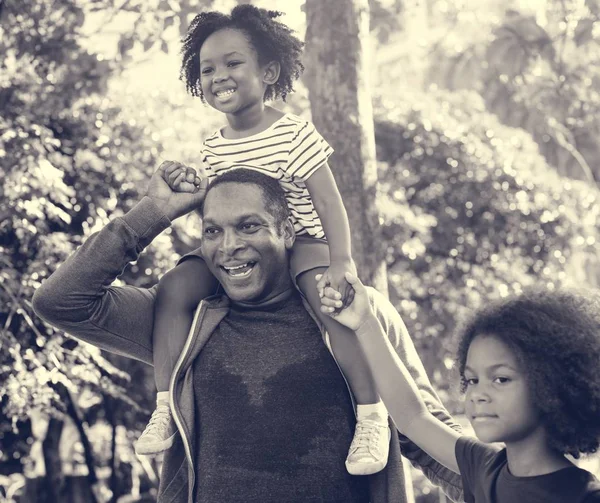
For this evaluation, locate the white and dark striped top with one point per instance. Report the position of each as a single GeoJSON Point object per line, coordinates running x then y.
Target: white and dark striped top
{"type": "Point", "coordinates": [290, 150]}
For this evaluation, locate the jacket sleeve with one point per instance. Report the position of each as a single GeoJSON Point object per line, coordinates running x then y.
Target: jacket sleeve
{"type": "Point", "coordinates": [397, 332]}
{"type": "Point", "coordinates": [78, 297]}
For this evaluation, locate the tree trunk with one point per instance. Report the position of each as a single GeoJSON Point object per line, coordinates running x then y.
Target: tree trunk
{"type": "Point", "coordinates": [54, 475]}
{"type": "Point", "coordinates": [337, 38]}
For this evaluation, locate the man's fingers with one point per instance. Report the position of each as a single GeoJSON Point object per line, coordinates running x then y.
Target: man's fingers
{"type": "Point", "coordinates": [171, 174]}
{"type": "Point", "coordinates": [178, 178]}
{"type": "Point", "coordinates": [170, 166]}
{"type": "Point", "coordinates": [164, 166]}
{"type": "Point", "coordinates": [350, 298]}
{"type": "Point", "coordinates": [351, 278]}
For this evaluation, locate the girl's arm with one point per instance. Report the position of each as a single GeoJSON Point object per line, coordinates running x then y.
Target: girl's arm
{"type": "Point", "coordinates": [330, 208]}
{"type": "Point", "coordinates": [393, 381]}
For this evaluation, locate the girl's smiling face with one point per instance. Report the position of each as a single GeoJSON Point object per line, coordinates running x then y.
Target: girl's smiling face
{"type": "Point", "coordinates": [231, 76]}
{"type": "Point", "coordinates": [498, 399]}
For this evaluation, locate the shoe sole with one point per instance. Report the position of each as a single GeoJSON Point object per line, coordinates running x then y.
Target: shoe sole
{"type": "Point", "coordinates": [156, 447]}
{"type": "Point", "coordinates": [370, 468]}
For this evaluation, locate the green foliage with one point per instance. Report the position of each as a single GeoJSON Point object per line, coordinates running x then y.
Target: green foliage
{"type": "Point", "coordinates": [63, 149]}
{"type": "Point", "coordinates": [471, 212]}
{"type": "Point", "coordinates": [540, 74]}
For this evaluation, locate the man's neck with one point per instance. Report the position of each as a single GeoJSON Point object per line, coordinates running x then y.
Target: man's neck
{"type": "Point", "coordinates": [267, 303]}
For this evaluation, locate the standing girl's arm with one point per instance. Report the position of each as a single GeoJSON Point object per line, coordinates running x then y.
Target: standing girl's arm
{"type": "Point", "coordinates": [393, 381]}
{"type": "Point", "coordinates": [330, 208]}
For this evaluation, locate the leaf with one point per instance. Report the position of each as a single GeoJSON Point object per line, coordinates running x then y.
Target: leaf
{"type": "Point", "coordinates": [594, 6]}
{"type": "Point", "coordinates": [584, 31]}
{"type": "Point", "coordinates": [148, 44]}
{"type": "Point", "coordinates": [508, 56]}
{"type": "Point", "coordinates": [466, 71]}
{"type": "Point", "coordinates": [164, 47]}
{"type": "Point", "coordinates": [125, 44]}
{"type": "Point", "coordinates": [529, 30]}
{"type": "Point", "coordinates": [169, 20]}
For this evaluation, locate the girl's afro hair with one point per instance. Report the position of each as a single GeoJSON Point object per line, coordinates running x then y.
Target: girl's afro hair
{"type": "Point", "coordinates": [556, 338]}
{"type": "Point", "coordinates": [272, 40]}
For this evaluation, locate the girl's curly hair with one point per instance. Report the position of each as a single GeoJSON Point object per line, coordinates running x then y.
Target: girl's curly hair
{"type": "Point", "coordinates": [556, 338]}
{"type": "Point", "coordinates": [272, 40]}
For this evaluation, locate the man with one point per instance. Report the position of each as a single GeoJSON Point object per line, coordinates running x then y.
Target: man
{"type": "Point", "coordinates": [263, 413]}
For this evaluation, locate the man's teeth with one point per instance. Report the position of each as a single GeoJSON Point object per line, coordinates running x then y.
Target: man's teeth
{"type": "Point", "coordinates": [239, 270]}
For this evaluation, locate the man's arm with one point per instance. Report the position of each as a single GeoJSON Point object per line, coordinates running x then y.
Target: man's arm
{"type": "Point", "coordinates": [78, 298]}
{"type": "Point", "coordinates": [397, 332]}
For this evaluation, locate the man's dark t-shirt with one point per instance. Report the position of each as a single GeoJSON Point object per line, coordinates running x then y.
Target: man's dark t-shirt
{"type": "Point", "coordinates": [486, 479]}
{"type": "Point", "coordinates": [274, 417]}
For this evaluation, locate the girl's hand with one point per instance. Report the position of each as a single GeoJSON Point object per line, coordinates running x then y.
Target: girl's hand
{"type": "Point", "coordinates": [335, 277]}
{"type": "Point", "coordinates": [183, 178]}
{"type": "Point", "coordinates": [355, 314]}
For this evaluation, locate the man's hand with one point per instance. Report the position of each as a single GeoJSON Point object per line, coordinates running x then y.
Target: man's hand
{"type": "Point", "coordinates": [335, 277]}
{"type": "Point", "coordinates": [183, 178]}
{"type": "Point", "coordinates": [359, 310]}
{"type": "Point", "coordinates": [175, 204]}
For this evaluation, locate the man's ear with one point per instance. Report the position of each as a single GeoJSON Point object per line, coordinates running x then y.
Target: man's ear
{"type": "Point", "coordinates": [289, 234]}
{"type": "Point", "coordinates": [272, 71]}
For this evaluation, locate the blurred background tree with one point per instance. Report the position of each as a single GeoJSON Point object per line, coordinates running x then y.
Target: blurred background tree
{"type": "Point", "coordinates": [485, 120]}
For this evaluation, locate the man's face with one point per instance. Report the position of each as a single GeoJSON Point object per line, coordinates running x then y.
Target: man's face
{"type": "Point", "coordinates": [242, 245]}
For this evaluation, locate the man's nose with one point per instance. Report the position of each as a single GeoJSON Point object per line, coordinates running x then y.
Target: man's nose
{"type": "Point", "coordinates": [231, 242]}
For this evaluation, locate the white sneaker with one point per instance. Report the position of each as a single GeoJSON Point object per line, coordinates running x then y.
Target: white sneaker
{"type": "Point", "coordinates": [370, 447]}
{"type": "Point", "coordinates": [160, 433]}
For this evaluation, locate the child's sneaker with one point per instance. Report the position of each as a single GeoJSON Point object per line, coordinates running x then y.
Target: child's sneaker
{"type": "Point", "coordinates": [160, 433]}
{"type": "Point", "coordinates": [370, 447]}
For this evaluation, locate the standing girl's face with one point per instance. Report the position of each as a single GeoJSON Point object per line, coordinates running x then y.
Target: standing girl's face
{"type": "Point", "coordinates": [231, 77]}
{"type": "Point", "coordinates": [498, 401]}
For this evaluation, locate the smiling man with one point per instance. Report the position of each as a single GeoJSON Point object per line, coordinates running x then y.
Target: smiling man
{"type": "Point", "coordinates": [262, 410]}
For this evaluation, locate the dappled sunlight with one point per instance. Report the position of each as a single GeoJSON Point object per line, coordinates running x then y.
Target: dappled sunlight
{"type": "Point", "coordinates": [487, 115]}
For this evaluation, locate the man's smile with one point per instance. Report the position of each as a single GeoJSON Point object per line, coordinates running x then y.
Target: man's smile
{"type": "Point", "coordinates": [239, 271]}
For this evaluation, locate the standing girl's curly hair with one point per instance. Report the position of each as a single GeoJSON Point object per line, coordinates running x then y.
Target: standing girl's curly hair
{"type": "Point", "coordinates": [272, 40]}
{"type": "Point", "coordinates": [555, 336]}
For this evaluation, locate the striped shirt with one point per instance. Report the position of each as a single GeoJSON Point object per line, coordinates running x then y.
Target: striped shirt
{"type": "Point", "coordinates": [291, 150]}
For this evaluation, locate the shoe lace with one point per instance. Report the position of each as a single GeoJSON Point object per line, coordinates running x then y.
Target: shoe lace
{"type": "Point", "coordinates": [160, 418]}
{"type": "Point", "coordinates": [366, 437]}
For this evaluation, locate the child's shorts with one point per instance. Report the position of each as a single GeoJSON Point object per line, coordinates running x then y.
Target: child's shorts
{"type": "Point", "coordinates": [307, 254]}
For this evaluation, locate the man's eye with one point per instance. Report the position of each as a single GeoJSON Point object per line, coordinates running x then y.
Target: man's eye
{"type": "Point", "coordinates": [249, 226]}
{"type": "Point", "coordinates": [211, 230]}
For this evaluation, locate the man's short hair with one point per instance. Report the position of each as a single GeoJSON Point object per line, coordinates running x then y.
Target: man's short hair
{"type": "Point", "coordinates": [272, 193]}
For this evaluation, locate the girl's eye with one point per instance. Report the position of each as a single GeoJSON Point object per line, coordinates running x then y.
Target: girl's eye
{"type": "Point", "coordinates": [502, 380]}
{"type": "Point", "coordinates": [234, 63]}
{"type": "Point", "coordinates": [470, 381]}
{"type": "Point", "coordinates": [206, 71]}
